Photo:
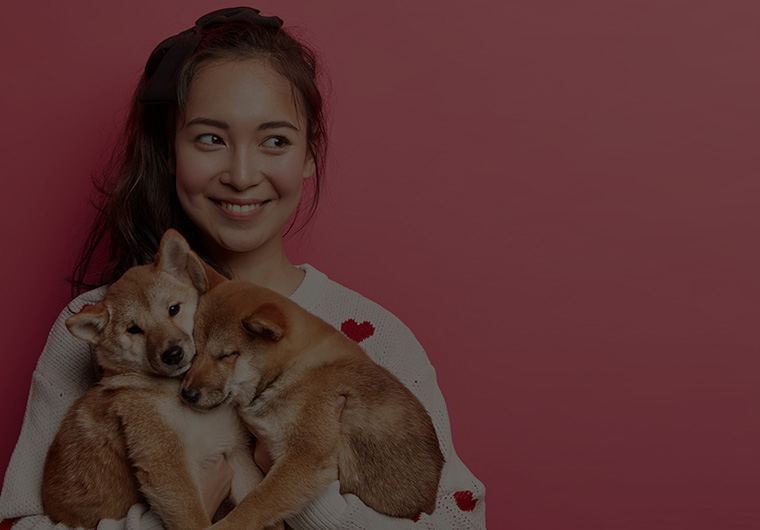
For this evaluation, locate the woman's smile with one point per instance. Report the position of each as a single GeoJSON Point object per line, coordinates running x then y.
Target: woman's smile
{"type": "Point", "coordinates": [240, 210]}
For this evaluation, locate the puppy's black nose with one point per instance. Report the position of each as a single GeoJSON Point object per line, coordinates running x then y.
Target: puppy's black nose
{"type": "Point", "coordinates": [190, 395]}
{"type": "Point", "coordinates": [173, 355]}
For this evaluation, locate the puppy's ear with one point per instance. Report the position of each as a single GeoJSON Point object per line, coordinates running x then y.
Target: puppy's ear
{"type": "Point", "coordinates": [212, 276]}
{"type": "Point", "coordinates": [175, 257]}
{"type": "Point", "coordinates": [267, 320]}
{"type": "Point", "coordinates": [89, 322]}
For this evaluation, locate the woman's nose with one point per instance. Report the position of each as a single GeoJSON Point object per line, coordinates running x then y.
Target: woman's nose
{"type": "Point", "coordinates": [243, 171]}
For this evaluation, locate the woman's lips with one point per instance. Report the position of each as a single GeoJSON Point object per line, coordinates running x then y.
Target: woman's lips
{"type": "Point", "coordinates": [239, 211]}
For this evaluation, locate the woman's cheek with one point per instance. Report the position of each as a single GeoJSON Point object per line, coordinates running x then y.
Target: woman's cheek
{"type": "Point", "coordinates": [188, 183]}
{"type": "Point", "coordinates": [286, 174]}
{"type": "Point", "coordinates": [193, 174]}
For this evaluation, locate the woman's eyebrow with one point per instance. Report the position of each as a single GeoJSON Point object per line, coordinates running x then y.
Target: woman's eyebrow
{"type": "Point", "coordinates": [276, 125]}
{"type": "Point", "coordinates": [225, 126]}
{"type": "Point", "coordinates": [208, 121]}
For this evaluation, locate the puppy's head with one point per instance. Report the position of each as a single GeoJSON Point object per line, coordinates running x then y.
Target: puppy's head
{"type": "Point", "coordinates": [145, 321]}
{"type": "Point", "coordinates": [239, 332]}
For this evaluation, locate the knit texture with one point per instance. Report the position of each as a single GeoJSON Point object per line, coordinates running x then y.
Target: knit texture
{"type": "Point", "coordinates": [66, 369]}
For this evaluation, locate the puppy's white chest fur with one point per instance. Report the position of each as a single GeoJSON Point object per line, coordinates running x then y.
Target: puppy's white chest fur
{"type": "Point", "coordinates": [205, 434]}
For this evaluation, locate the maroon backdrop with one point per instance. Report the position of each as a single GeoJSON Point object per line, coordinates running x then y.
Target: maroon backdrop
{"type": "Point", "coordinates": [559, 198]}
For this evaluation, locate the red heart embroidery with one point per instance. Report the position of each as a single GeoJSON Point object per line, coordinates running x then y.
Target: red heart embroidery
{"type": "Point", "coordinates": [465, 501]}
{"type": "Point", "coordinates": [7, 524]}
{"type": "Point", "coordinates": [417, 517]}
{"type": "Point", "coordinates": [357, 332]}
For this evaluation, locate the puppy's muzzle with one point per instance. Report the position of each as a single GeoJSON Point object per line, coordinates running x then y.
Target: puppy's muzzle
{"type": "Point", "coordinates": [173, 355]}
{"type": "Point", "coordinates": [191, 395]}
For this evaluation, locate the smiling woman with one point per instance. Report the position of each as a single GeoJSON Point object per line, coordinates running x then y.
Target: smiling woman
{"type": "Point", "coordinates": [225, 127]}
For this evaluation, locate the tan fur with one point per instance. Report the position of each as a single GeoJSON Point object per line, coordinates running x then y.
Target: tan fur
{"type": "Point", "coordinates": [130, 438]}
{"type": "Point", "coordinates": [284, 368]}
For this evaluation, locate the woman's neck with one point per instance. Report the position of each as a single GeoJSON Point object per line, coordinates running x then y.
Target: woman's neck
{"type": "Point", "coordinates": [268, 267]}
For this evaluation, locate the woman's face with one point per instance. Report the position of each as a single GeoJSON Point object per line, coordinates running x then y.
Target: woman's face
{"type": "Point", "coordinates": [241, 156]}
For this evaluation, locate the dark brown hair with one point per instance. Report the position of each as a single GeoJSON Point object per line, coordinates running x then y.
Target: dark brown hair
{"type": "Point", "coordinates": [137, 201]}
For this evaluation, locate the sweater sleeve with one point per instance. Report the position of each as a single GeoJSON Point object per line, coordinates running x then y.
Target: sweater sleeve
{"type": "Point", "coordinates": [65, 370]}
{"type": "Point", "coordinates": [461, 497]}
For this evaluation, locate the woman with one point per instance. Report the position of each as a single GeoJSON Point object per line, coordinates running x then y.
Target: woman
{"type": "Point", "coordinates": [225, 130]}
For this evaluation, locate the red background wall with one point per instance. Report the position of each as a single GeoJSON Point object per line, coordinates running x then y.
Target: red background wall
{"type": "Point", "coordinates": [559, 198]}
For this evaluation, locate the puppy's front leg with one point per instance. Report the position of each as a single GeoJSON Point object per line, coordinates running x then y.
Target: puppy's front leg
{"type": "Point", "coordinates": [246, 475]}
{"type": "Point", "coordinates": [292, 482]}
{"type": "Point", "coordinates": [161, 467]}
{"type": "Point", "coordinates": [302, 468]}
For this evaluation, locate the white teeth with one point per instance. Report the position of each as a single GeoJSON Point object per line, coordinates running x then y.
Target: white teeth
{"type": "Point", "coordinates": [236, 208]}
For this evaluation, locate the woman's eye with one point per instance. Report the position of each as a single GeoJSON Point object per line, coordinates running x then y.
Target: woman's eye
{"type": "Point", "coordinates": [209, 139]}
{"type": "Point", "coordinates": [277, 142]}
{"type": "Point", "coordinates": [134, 330]}
{"type": "Point", "coordinates": [173, 310]}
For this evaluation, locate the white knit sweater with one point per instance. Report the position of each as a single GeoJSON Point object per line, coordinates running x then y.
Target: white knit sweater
{"type": "Point", "coordinates": [66, 369]}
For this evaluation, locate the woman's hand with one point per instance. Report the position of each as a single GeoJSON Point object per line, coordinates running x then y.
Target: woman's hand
{"type": "Point", "coordinates": [260, 453]}
{"type": "Point", "coordinates": [216, 480]}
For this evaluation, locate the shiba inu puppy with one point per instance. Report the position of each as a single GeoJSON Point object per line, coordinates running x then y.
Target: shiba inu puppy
{"type": "Point", "coordinates": [283, 369]}
{"type": "Point", "coordinates": [130, 438]}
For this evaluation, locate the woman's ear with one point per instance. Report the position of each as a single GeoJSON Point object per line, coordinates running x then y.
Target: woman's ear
{"type": "Point", "coordinates": [310, 164]}
{"type": "Point", "coordinates": [309, 167]}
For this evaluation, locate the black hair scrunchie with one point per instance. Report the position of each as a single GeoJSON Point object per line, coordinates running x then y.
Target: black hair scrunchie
{"type": "Point", "coordinates": [164, 62]}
